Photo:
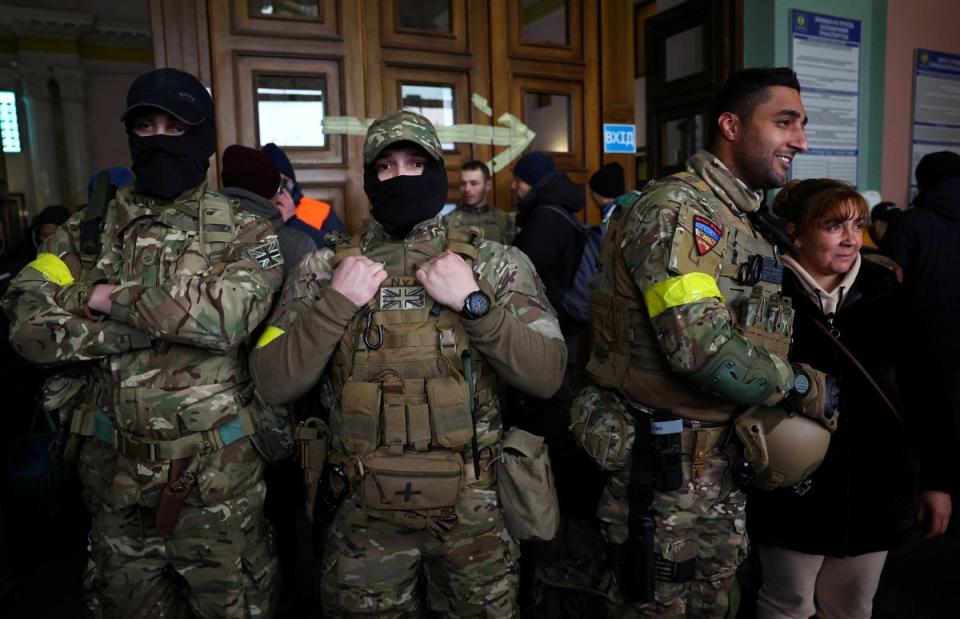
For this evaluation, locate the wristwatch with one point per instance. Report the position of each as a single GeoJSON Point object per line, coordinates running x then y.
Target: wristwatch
{"type": "Point", "coordinates": [476, 305]}
{"type": "Point", "coordinates": [801, 384]}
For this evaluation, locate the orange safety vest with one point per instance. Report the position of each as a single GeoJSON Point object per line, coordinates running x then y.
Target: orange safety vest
{"type": "Point", "coordinates": [313, 212]}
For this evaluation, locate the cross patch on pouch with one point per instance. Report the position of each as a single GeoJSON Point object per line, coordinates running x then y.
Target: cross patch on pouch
{"type": "Point", "coordinates": [267, 255]}
{"type": "Point", "coordinates": [393, 298]}
{"type": "Point", "coordinates": [706, 233]}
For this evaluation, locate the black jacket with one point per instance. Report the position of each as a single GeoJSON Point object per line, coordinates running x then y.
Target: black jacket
{"type": "Point", "coordinates": [863, 497]}
{"type": "Point", "coordinates": [925, 242]}
{"type": "Point", "coordinates": [553, 245]}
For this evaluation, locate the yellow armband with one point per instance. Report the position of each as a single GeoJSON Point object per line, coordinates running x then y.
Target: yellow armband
{"type": "Point", "coordinates": [680, 290]}
{"type": "Point", "coordinates": [53, 268]}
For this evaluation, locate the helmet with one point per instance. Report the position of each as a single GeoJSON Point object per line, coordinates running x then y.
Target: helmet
{"type": "Point", "coordinates": [401, 126]}
{"type": "Point", "coordinates": [780, 448]}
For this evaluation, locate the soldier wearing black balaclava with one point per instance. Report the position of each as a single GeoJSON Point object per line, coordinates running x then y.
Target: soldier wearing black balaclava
{"type": "Point", "coordinates": [151, 323]}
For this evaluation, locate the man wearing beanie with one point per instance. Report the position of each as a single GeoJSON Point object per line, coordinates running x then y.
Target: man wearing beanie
{"type": "Point", "coordinates": [551, 235]}
{"type": "Point", "coordinates": [545, 235]}
{"type": "Point", "coordinates": [313, 217]}
{"type": "Point", "coordinates": [151, 314]}
{"type": "Point", "coordinates": [251, 178]}
{"type": "Point", "coordinates": [925, 242]}
{"type": "Point", "coordinates": [606, 185]}
{"type": "Point", "coordinates": [408, 327]}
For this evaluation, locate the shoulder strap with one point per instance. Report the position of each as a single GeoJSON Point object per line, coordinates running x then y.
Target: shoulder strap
{"type": "Point", "coordinates": [568, 216]}
{"type": "Point", "coordinates": [216, 225]}
{"type": "Point", "coordinates": [464, 240]}
{"type": "Point", "coordinates": [95, 213]}
{"type": "Point", "coordinates": [345, 246]}
{"type": "Point", "coordinates": [855, 363]}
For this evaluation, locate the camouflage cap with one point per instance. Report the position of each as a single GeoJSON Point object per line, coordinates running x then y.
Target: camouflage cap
{"type": "Point", "coordinates": [401, 126]}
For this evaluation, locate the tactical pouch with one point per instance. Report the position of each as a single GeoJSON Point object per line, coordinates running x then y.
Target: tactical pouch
{"type": "Point", "coordinates": [767, 322]}
{"type": "Point", "coordinates": [413, 481]}
{"type": "Point", "coordinates": [449, 401]}
{"type": "Point", "coordinates": [361, 416]}
{"type": "Point", "coordinates": [528, 494]}
{"type": "Point", "coordinates": [273, 437]}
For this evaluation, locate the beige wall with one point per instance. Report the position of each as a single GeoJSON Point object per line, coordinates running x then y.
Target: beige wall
{"type": "Point", "coordinates": [106, 99]}
{"type": "Point", "coordinates": [911, 24]}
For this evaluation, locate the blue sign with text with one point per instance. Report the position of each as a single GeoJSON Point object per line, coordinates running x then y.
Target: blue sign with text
{"type": "Point", "coordinates": [619, 138]}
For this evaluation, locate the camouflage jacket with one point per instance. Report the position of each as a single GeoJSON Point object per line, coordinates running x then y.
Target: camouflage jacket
{"type": "Point", "coordinates": [309, 340]}
{"type": "Point", "coordinates": [169, 361]}
{"type": "Point", "coordinates": [652, 342]}
{"type": "Point", "coordinates": [497, 225]}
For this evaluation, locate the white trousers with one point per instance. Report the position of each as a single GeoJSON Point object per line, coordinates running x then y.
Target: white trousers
{"type": "Point", "coordinates": [799, 586]}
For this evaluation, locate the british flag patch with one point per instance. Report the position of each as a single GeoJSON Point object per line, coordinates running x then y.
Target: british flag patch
{"type": "Point", "coordinates": [267, 256]}
{"type": "Point", "coordinates": [397, 298]}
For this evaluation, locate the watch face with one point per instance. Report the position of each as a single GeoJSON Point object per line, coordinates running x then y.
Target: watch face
{"type": "Point", "coordinates": [477, 304]}
{"type": "Point", "coordinates": [801, 383]}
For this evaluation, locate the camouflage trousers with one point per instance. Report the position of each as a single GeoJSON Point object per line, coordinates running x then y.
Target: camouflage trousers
{"type": "Point", "coordinates": [704, 520]}
{"type": "Point", "coordinates": [220, 562]}
{"type": "Point", "coordinates": [376, 566]}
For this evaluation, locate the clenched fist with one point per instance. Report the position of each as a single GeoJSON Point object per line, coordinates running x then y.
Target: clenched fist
{"type": "Point", "coordinates": [358, 278]}
{"type": "Point", "coordinates": [448, 280]}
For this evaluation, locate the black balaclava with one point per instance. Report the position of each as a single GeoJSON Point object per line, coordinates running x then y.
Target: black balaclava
{"type": "Point", "coordinates": [166, 165]}
{"type": "Point", "coordinates": [400, 203]}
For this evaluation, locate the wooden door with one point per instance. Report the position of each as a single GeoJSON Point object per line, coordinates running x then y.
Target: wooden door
{"type": "Point", "coordinates": [480, 69]}
{"type": "Point", "coordinates": [546, 60]}
{"type": "Point", "coordinates": [691, 50]}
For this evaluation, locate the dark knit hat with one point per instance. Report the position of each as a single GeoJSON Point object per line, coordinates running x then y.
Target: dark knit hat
{"type": "Point", "coordinates": [280, 159]}
{"type": "Point", "coordinates": [608, 181]}
{"type": "Point", "coordinates": [532, 167]}
{"type": "Point", "coordinates": [250, 169]}
{"type": "Point", "coordinates": [54, 214]}
{"type": "Point", "coordinates": [936, 167]}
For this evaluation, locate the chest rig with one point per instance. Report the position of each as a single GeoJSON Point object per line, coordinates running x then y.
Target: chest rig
{"type": "Point", "coordinates": [405, 398]}
{"type": "Point", "coordinates": [626, 354]}
{"type": "Point", "coordinates": [399, 368]}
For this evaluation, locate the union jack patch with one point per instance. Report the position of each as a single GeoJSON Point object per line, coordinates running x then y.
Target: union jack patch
{"type": "Point", "coordinates": [397, 298]}
{"type": "Point", "coordinates": [267, 255]}
{"type": "Point", "coordinates": [706, 233]}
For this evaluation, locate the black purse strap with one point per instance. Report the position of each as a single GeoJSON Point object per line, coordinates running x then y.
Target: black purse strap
{"type": "Point", "coordinates": [853, 360]}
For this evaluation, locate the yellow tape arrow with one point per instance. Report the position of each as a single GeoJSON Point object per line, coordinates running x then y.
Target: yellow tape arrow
{"type": "Point", "coordinates": [513, 133]}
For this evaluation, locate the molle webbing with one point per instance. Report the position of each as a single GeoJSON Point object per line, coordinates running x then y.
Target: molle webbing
{"type": "Point", "coordinates": [216, 227]}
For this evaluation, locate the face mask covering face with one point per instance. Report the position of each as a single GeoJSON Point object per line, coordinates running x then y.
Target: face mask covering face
{"type": "Point", "coordinates": [400, 203]}
{"type": "Point", "coordinates": [166, 165]}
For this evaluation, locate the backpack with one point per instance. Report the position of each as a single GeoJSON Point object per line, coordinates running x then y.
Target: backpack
{"type": "Point", "coordinates": [575, 299]}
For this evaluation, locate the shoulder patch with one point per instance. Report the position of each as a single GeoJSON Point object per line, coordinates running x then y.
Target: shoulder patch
{"type": "Point", "coordinates": [707, 234]}
{"type": "Point", "coordinates": [267, 255]}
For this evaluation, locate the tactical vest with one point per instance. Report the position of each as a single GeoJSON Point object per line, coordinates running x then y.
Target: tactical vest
{"type": "Point", "coordinates": [398, 371]}
{"type": "Point", "coordinates": [494, 223]}
{"type": "Point", "coordinates": [214, 231]}
{"type": "Point", "coordinates": [626, 354]}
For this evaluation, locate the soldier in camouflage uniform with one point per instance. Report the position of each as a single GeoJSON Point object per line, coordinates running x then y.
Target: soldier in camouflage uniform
{"type": "Point", "coordinates": [154, 317]}
{"type": "Point", "coordinates": [681, 326]}
{"type": "Point", "coordinates": [475, 183]}
{"type": "Point", "coordinates": [391, 323]}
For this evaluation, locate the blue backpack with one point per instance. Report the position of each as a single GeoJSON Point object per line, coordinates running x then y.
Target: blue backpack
{"type": "Point", "coordinates": [575, 300]}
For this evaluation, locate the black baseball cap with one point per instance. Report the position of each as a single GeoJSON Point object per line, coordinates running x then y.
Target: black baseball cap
{"type": "Point", "coordinates": [175, 92]}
